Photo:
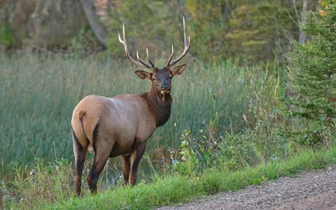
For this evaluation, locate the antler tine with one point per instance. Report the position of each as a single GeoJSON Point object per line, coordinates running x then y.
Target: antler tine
{"type": "Point", "coordinates": [139, 62]}
{"type": "Point", "coordinates": [151, 63]}
{"type": "Point", "coordinates": [171, 56]}
{"type": "Point", "coordinates": [143, 63]}
{"type": "Point", "coordinates": [186, 48]}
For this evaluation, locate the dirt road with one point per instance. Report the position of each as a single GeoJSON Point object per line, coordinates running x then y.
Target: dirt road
{"type": "Point", "coordinates": [313, 190]}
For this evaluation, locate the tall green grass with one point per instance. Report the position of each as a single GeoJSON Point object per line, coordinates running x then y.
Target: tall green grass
{"type": "Point", "coordinates": [38, 94]}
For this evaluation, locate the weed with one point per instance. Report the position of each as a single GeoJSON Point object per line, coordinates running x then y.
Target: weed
{"type": "Point", "coordinates": [256, 145]}
{"type": "Point", "coordinates": [40, 182]}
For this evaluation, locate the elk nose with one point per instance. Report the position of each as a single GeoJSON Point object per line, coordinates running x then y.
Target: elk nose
{"type": "Point", "coordinates": [165, 86]}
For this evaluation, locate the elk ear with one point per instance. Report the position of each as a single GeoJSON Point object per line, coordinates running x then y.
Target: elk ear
{"type": "Point", "coordinates": [143, 74]}
{"type": "Point", "coordinates": [178, 70]}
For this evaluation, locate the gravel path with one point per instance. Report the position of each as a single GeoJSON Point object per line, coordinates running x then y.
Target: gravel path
{"type": "Point", "coordinates": [313, 190]}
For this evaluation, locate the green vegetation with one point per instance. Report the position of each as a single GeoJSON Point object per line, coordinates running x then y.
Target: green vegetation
{"type": "Point", "coordinates": [6, 38]}
{"type": "Point", "coordinates": [228, 127]}
{"type": "Point", "coordinates": [313, 81]}
{"type": "Point", "coordinates": [250, 31]}
{"type": "Point", "coordinates": [223, 122]}
{"type": "Point", "coordinates": [47, 186]}
{"type": "Point", "coordinates": [40, 93]}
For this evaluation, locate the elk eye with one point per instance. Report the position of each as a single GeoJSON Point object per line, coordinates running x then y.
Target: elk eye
{"type": "Point", "coordinates": [153, 79]}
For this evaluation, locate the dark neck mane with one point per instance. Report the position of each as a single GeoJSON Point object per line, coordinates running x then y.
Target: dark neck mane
{"type": "Point", "coordinates": [160, 109]}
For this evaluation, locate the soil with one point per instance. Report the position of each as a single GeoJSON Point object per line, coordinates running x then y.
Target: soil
{"type": "Point", "coordinates": [314, 190]}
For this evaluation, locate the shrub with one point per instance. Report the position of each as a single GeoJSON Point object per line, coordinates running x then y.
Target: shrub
{"type": "Point", "coordinates": [313, 68]}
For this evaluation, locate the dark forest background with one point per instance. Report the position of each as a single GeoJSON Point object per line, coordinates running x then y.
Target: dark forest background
{"type": "Point", "coordinates": [251, 31]}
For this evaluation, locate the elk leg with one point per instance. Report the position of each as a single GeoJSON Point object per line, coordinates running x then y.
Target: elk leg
{"type": "Point", "coordinates": [79, 153]}
{"type": "Point", "coordinates": [98, 165]}
{"type": "Point", "coordinates": [137, 154]}
{"type": "Point", "coordinates": [126, 165]}
{"type": "Point", "coordinates": [102, 153]}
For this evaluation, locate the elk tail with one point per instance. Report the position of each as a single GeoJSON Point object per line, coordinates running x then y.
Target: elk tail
{"type": "Point", "coordinates": [81, 115]}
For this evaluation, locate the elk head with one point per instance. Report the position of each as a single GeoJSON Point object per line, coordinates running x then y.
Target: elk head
{"type": "Point", "coordinates": [160, 78]}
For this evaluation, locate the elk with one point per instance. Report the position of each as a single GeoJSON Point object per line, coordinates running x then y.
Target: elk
{"type": "Point", "coordinates": [121, 125]}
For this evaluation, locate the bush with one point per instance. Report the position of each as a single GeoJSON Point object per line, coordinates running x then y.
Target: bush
{"type": "Point", "coordinates": [313, 69]}
{"type": "Point", "coordinates": [267, 140]}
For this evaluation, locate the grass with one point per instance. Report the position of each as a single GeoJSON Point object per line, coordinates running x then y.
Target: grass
{"type": "Point", "coordinates": [40, 92]}
{"type": "Point", "coordinates": [174, 189]}
{"type": "Point", "coordinates": [231, 135]}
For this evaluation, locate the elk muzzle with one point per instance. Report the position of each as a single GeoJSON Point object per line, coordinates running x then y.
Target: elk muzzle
{"type": "Point", "coordinates": [165, 86]}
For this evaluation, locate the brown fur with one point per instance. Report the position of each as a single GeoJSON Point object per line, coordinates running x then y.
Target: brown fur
{"type": "Point", "coordinates": [120, 126]}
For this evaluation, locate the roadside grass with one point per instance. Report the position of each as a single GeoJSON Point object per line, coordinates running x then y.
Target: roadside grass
{"type": "Point", "coordinates": [50, 189]}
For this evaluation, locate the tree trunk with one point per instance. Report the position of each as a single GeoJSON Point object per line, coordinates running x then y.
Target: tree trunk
{"type": "Point", "coordinates": [49, 24]}
{"type": "Point", "coordinates": [302, 38]}
{"type": "Point", "coordinates": [98, 29]}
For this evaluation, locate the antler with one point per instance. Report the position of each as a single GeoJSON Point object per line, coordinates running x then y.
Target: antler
{"type": "Point", "coordinates": [185, 51]}
{"type": "Point", "coordinates": [138, 62]}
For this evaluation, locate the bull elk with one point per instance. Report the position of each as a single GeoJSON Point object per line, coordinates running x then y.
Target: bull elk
{"type": "Point", "coordinates": [109, 127]}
